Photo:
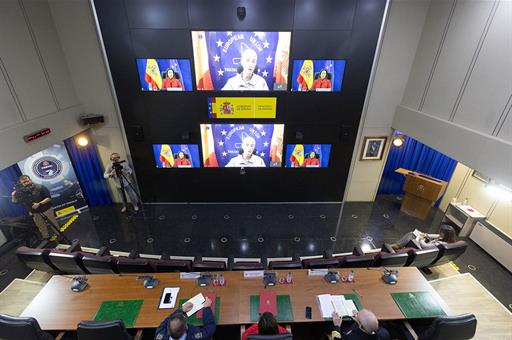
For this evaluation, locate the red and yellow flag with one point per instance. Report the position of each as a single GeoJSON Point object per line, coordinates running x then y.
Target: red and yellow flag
{"type": "Point", "coordinates": [306, 72]}
{"type": "Point", "coordinates": [297, 157]}
{"type": "Point", "coordinates": [166, 156]}
{"type": "Point", "coordinates": [153, 76]}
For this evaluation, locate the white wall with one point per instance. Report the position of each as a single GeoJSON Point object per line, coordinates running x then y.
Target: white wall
{"type": "Point", "coordinates": [36, 90]}
{"type": "Point", "coordinates": [465, 186]}
{"type": "Point", "coordinates": [77, 32]}
{"type": "Point", "coordinates": [459, 94]}
{"type": "Point", "coordinates": [401, 35]}
{"type": "Point", "coordinates": [52, 71]}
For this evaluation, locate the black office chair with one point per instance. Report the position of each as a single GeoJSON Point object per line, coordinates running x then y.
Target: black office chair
{"type": "Point", "coordinates": [293, 264]}
{"type": "Point", "coordinates": [247, 265]}
{"type": "Point", "coordinates": [111, 330]}
{"type": "Point", "coordinates": [321, 263]}
{"type": "Point", "coordinates": [286, 336]}
{"type": "Point", "coordinates": [36, 258]}
{"type": "Point", "coordinates": [458, 327]}
{"type": "Point", "coordinates": [16, 328]}
{"type": "Point", "coordinates": [139, 265]}
{"type": "Point", "coordinates": [171, 266]}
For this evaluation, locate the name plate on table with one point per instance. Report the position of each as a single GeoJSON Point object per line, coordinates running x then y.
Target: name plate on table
{"type": "Point", "coordinates": [191, 275]}
{"type": "Point", "coordinates": [317, 272]}
{"type": "Point", "coordinates": [250, 274]}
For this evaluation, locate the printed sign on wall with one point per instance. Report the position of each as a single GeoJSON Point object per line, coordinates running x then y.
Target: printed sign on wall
{"type": "Point", "coordinates": [52, 168]}
{"type": "Point", "coordinates": [242, 107]}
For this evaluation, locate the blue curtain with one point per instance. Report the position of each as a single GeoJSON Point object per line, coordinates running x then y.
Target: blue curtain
{"type": "Point", "coordinates": [89, 172]}
{"type": "Point", "coordinates": [415, 156]}
{"type": "Point", "coordinates": [8, 177]}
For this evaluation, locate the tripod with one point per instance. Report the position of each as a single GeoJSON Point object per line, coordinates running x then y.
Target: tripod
{"type": "Point", "coordinates": [54, 228]}
{"type": "Point", "coordinates": [122, 178]}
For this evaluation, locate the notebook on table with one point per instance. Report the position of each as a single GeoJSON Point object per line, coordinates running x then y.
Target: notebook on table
{"type": "Point", "coordinates": [335, 303]}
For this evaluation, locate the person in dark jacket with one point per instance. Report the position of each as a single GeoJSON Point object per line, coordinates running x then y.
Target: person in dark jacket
{"type": "Point", "coordinates": [365, 327]}
{"type": "Point", "coordinates": [175, 326]}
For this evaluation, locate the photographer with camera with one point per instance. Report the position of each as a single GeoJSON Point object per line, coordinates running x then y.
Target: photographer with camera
{"type": "Point", "coordinates": [121, 172]}
{"type": "Point", "coordinates": [36, 198]}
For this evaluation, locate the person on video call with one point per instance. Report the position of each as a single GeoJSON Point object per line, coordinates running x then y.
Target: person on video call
{"type": "Point", "coordinates": [126, 171]}
{"type": "Point", "coordinates": [322, 82]}
{"type": "Point", "coordinates": [170, 80]}
{"type": "Point", "coordinates": [311, 160]}
{"type": "Point", "coordinates": [247, 158]}
{"type": "Point", "coordinates": [181, 160]}
{"type": "Point", "coordinates": [247, 79]}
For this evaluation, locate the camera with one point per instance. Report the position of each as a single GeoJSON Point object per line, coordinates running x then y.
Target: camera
{"type": "Point", "coordinates": [23, 193]}
{"type": "Point", "coordinates": [118, 166]}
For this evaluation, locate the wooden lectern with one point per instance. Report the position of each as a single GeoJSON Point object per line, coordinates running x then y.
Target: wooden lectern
{"type": "Point", "coordinates": [421, 193]}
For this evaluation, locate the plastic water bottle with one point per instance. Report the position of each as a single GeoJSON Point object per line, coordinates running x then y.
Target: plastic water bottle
{"type": "Point", "coordinates": [289, 277]}
{"type": "Point", "coordinates": [350, 277]}
{"type": "Point", "coordinates": [221, 280]}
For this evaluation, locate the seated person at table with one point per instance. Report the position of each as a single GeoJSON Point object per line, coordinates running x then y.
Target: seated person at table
{"type": "Point", "coordinates": [446, 235]}
{"type": "Point", "coordinates": [365, 326]}
{"type": "Point", "coordinates": [175, 327]}
{"type": "Point", "coordinates": [267, 325]}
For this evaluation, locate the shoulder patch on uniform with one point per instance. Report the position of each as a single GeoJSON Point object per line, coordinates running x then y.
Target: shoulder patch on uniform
{"type": "Point", "coordinates": [199, 336]}
{"type": "Point", "coordinates": [159, 336]}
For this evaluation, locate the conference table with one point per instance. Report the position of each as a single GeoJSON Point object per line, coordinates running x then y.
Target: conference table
{"type": "Point", "coordinates": [56, 307]}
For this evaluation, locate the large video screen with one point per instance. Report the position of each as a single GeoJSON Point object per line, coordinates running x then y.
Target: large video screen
{"type": "Point", "coordinates": [256, 61]}
{"type": "Point", "coordinates": [318, 75]}
{"type": "Point", "coordinates": [307, 155]}
{"type": "Point", "coordinates": [242, 145]}
{"type": "Point", "coordinates": [176, 155]}
{"type": "Point", "coordinates": [164, 74]}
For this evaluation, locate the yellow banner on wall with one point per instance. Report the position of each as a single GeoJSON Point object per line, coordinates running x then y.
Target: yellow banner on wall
{"type": "Point", "coordinates": [242, 107]}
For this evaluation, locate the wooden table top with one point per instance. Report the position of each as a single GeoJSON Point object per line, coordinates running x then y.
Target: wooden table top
{"type": "Point", "coordinates": [56, 307]}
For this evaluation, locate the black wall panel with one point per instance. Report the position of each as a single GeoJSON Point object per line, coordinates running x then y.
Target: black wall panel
{"type": "Point", "coordinates": [263, 15]}
{"type": "Point", "coordinates": [321, 29]}
{"type": "Point", "coordinates": [324, 14]}
{"type": "Point", "coordinates": [157, 13]}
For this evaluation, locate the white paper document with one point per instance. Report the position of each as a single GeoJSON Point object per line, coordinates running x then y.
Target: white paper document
{"type": "Point", "coordinates": [330, 303]}
{"type": "Point", "coordinates": [197, 301]}
{"type": "Point", "coordinates": [168, 299]}
{"type": "Point", "coordinates": [191, 275]}
{"type": "Point", "coordinates": [249, 274]}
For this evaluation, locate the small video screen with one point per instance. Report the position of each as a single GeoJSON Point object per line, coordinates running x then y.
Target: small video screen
{"type": "Point", "coordinates": [307, 155]}
{"type": "Point", "coordinates": [241, 61]}
{"type": "Point", "coordinates": [318, 75]}
{"type": "Point", "coordinates": [164, 74]}
{"type": "Point", "coordinates": [242, 145]}
{"type": "Point", "coordinates": [176, 155]}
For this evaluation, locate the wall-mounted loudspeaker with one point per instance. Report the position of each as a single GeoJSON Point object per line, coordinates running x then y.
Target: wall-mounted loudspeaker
{"type": "Point", "coordinates": [91, 118]}
{"type": "Point", "coordinates": [240, 13]}
{"type": "Point", "coordinates": [299, 135]}
{"type": "Point", "coordinates": [185, 135]}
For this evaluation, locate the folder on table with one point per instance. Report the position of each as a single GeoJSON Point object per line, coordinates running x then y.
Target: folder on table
{"type": "Point", "coordinates": [268, 302]}
{"type": "Point", "coordinates": [335, 303]}
{"type": "Point", "coordinates": [211, 296]}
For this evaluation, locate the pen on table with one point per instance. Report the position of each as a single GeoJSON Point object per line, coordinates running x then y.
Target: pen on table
{"type": "Point", "coordinates": [357, 293]}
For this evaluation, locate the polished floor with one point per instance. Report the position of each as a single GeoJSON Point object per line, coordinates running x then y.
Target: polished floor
{"type": "Point", "coordinates": [265, 230]}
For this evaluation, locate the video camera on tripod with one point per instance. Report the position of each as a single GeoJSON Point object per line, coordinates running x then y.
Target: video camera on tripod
{"type": "Point", "coordinates": [118, 167]}
{"type": "Point", "coordinates": [23, 193]}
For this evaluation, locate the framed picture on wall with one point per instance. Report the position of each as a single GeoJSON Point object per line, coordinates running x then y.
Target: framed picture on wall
{"type": "Point", "coordinates": [480, 176]}
{"type": "Point", "coordinates": [373, 148]}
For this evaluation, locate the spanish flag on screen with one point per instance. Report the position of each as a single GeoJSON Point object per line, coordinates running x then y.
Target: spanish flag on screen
{"type": "Point", "coordinates": [166, 156]}
{"type": "Point", "coordinates": [153, 76]}
{"type": "Point", "coordinates": [297, 157]}
{"type": "Point", "coordinates": [308, 77]}
{"type": "Point", "coordinates": [209, 157]}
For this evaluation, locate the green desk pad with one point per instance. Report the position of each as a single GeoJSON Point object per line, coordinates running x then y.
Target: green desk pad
{"type": "Point", "coordinates": [126, 310]}
{"type": "Point", "coordinates": [284, 308]}
{"type": "Point", "coordinates": [417, 304]}
{"type": "Point", "coordinates": [193, 319]}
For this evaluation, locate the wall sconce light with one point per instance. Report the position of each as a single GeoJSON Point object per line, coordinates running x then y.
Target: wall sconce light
{"type": "Point", "coordinates": [398, 141]}
{"type": "Point", "coordinates": [82, 141]}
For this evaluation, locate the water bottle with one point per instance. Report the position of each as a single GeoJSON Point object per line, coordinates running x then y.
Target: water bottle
{"type": "Point", "coordinates": [289, 278]}
{"type": "Point", "coordinates": [350, 277]}
{"type": "Point", "coordinates": [221, 280]}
